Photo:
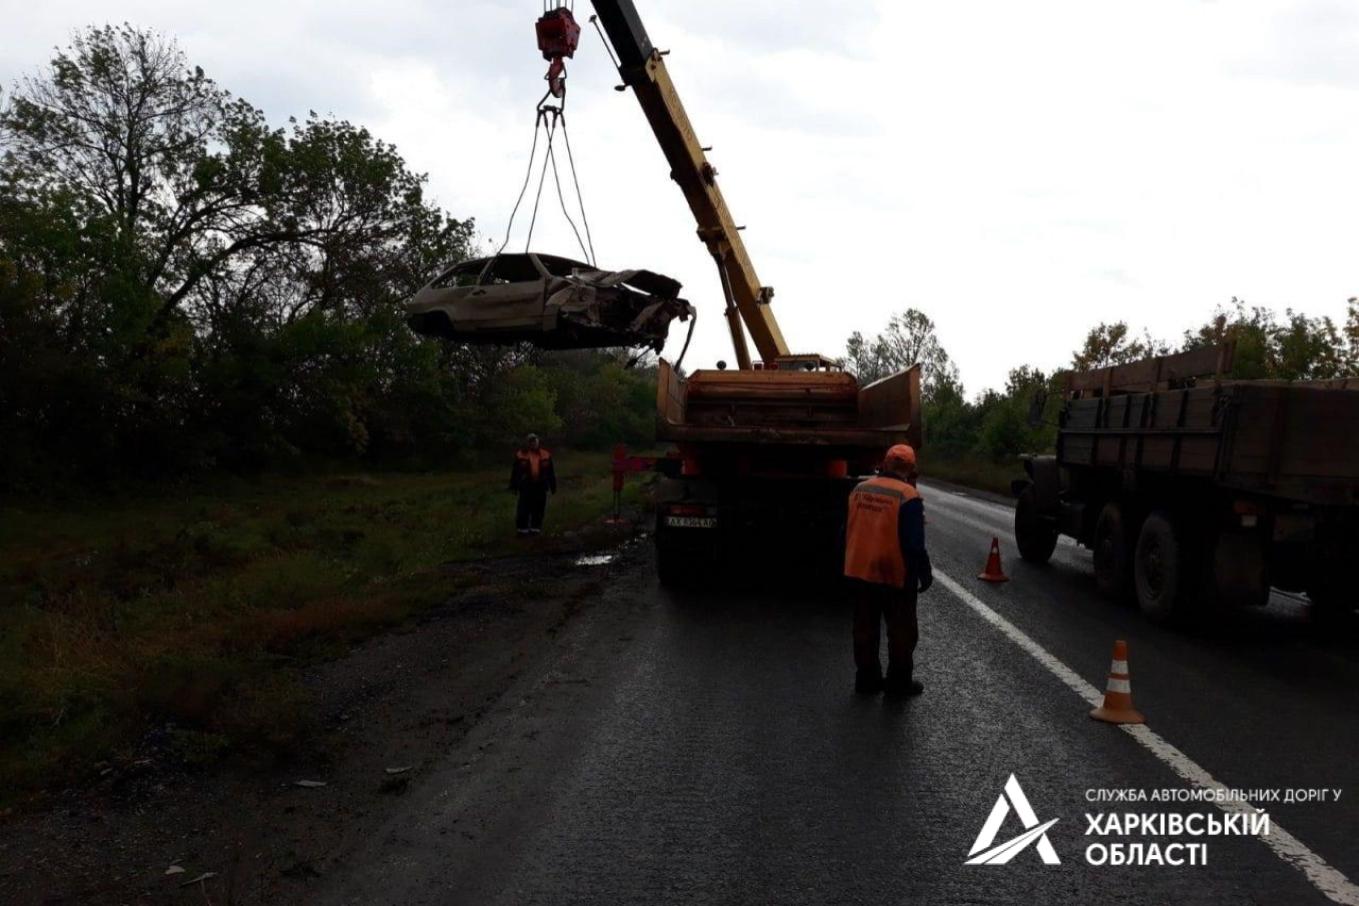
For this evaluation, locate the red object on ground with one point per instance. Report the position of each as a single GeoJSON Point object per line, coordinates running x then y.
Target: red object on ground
{"type": "Point", "coordinates": [993, 571]}
{"type": "Point", "coordinates": [558, 37]}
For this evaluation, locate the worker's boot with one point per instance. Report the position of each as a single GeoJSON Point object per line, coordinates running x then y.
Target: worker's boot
{"type": "Point", "coordinates": [901, 685]}
{"type": "Point", "coordinates": [867, 683]}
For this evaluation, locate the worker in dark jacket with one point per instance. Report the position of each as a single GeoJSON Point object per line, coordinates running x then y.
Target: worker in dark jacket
{"type": "Point", "coordinates": [886, 565]}
{"type": "Point", "coordinates": [533, 478]}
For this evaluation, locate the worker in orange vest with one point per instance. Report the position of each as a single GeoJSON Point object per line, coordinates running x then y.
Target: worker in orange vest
{"type": "Point", "coordinates": [533, 478]}
{"type": "Point", "coordinates": [886, 565]}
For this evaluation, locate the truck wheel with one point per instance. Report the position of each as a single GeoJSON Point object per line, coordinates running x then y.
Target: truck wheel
{"type": "Point", "coordinates": [1162, 569]}
{"type": "Point", "coordinates": [1035, 536]}
{"type": "Point", "coordinates": [1113, 567]}
{"type": "Point", "coordinates": [1238, 573]}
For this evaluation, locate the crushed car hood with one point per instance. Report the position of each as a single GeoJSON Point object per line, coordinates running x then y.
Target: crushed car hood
{"type": "Point", "coordinates": [646, 300]}
{"type": "Point", "coordinates": [590, 308]}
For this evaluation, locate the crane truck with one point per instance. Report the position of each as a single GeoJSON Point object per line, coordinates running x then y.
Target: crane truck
{"type": "Point", "coordinates": [767, 452]}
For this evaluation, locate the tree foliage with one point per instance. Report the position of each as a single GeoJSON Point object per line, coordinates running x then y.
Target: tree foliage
{"type": "Point", "coordinates": [1113, 344]}
{"type": "Point", "coordinates": [908, 339]}
{"type": "Point", "coordinates": [185, 286]}
{"type": "Point", "coordinates": [1000, 424]}
{"type": "Point", "coordinates": [1295, 347]}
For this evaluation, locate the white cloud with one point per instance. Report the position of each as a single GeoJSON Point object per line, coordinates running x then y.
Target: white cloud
{"type": "Point", "coordinates": [1018, 171]}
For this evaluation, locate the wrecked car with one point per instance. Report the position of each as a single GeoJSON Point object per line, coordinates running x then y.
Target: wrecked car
{"type": "Point", "coordinates": [552, 302]}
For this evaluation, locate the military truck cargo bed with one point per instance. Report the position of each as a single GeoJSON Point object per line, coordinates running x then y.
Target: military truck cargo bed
{"type": "Point", "coordinates": [1296, 441]}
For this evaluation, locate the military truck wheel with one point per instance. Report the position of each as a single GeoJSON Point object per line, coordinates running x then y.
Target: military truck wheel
{"type": "Point", "coordinates": [1163, 569]}
{"type": "Point", "coordinates": [1238, 577]}
{"type": "Point", "coordinates": [1035, 536]}
{"type": "Point", "coordinates": [1113, 554]}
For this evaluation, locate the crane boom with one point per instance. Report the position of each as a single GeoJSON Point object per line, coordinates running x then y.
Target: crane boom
{"type": "Point", "coordinates": [643, 69]}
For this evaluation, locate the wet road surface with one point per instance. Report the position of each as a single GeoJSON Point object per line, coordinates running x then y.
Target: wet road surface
{"type": "Point", "coordinates": [707, 748]}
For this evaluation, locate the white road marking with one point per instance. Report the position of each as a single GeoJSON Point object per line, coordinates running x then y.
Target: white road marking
{"type": "Point", "coordinates": [1331, 882]}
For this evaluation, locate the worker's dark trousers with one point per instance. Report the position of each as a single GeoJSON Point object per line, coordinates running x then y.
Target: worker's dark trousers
{"type": "Point", "coordinates": [873, 605]}
{"type": "Point", "coordinates": [532, 502]}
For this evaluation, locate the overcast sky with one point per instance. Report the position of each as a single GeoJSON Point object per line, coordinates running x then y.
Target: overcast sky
{"type": "Point", "coordinates": [1018, 171]}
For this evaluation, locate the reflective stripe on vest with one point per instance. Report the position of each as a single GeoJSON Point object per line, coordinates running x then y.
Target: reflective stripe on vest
{"type": "Point", "coordinates": [872, 540]}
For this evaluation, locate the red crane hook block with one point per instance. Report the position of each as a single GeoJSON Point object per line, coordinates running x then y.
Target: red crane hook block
{"type": "Point", "coordinates": [558, 37]}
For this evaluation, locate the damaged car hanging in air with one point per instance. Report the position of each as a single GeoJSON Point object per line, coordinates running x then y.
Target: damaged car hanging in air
{"type": "Point", "coordinates": [550, 301]}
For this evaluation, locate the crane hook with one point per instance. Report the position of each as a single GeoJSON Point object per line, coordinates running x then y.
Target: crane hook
{"type": "Point", "coordinates": [558, 37]}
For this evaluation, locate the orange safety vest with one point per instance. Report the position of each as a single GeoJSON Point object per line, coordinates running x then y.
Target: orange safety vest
{"type": "Point", "coordinates": [535, 459]}
{"type": "Point", "coordinates": [872, 542]}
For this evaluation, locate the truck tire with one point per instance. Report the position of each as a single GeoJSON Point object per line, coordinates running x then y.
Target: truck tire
{"type": "Point", "coordinates": [1163, 569]}
{"type": "Point", "coordinates": [1112, 554]}
{"type": "Point", "coordinates": [1238, 577]}
{"type": "Point", "coordinates": [1035, 536]}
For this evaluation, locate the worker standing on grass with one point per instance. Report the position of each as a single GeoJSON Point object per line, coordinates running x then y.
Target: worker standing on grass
{"type": "Point", "coordinates": [533, 478]}
{"type": "Point", "coordinates": [886, 565]}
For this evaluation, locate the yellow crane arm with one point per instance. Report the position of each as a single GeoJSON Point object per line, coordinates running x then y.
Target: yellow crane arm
{"type": "Point", "coordinates": [643, 69]}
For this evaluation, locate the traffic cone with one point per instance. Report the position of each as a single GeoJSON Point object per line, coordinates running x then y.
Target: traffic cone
{"type": "Point", "coordinates": [1118, 705]}
{"type": "Point", "coordinates": [993, 572]}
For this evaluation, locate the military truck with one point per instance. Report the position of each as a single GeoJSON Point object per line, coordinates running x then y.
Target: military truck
{"type": "Point", "coordinates": [1197, 493]}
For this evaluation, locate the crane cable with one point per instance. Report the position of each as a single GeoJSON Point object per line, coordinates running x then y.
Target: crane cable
{"type": "Point", "coordinates": [547, 118]}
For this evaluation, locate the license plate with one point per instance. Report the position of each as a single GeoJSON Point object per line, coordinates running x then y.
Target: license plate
{"type": "Point", "coordinates": [691, 521]}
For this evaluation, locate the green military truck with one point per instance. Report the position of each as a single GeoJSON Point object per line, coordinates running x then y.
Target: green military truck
{"type": "Point", "coordinates": [1199, 493]}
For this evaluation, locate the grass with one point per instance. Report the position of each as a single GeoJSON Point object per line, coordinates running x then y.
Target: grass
{"type": "Point", "coordinates": [972, 472]}
{"type": "Point", "coordinates": [178, 620]}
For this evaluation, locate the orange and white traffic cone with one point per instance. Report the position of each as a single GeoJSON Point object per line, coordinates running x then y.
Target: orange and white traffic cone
{"type": "Point", "coordinates": [1118, 704]}
{"type": "Point", "coordinates": [993, 571]}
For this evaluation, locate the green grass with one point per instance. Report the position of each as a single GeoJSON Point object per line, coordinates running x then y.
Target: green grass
{"type": "Point", "coordinates": [193, 609]}
{"type": "Point", "coordinates": [971, 472]}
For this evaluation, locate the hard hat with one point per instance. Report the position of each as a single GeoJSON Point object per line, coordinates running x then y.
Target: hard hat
{"type": "Point", "coordinates": [900, 454]}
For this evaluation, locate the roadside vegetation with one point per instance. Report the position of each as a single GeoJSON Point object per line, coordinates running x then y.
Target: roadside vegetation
{"type": "Point", "coordinates": [224, 453]}
{"type": "Point", "coordinates": [187, 289]}
{"type": "Point", "coordinates": [175, 624]}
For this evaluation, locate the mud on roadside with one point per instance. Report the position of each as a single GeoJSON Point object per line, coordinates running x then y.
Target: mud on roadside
{"type": "Point", "coordinates": [384, 712]}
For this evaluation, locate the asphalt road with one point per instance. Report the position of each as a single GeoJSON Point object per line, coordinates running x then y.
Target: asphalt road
{"type": "Point", "coordinates": [707, 748]}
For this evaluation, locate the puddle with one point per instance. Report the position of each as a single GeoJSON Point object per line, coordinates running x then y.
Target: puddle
{"type": "Point", "coordinates": [593, 560]}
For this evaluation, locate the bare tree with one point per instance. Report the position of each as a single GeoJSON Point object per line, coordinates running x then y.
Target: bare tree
{"type": "Point", "coordinates": [908, 339]}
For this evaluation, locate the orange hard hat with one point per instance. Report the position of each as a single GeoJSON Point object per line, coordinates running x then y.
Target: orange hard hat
{"type": "Point", "coordinates": [903, 454]}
